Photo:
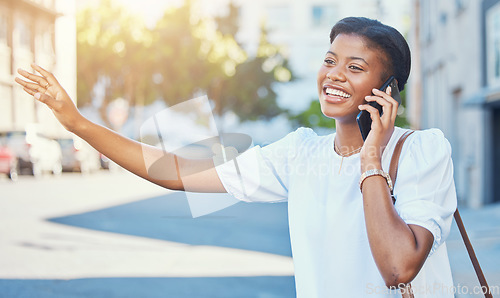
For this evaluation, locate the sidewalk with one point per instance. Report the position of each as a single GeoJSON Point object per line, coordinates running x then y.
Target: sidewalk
{"type": "Point", "coordinates": [483, 228]}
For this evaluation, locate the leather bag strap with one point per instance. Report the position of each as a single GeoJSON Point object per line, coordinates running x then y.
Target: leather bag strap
{"type": "Point", "coordinates": [480, 276]}
{"type": "Point", "coordinates": [393, 168]}
{"type": "Point", "coordinates": [393, 172]}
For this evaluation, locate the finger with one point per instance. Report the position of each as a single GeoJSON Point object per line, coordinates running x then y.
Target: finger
{"type": "Point", "coordinates": [387, 106]}
{"type": "Point", "coordinates": [388, 112]}
{"type": "Point", "coordinates": [385, 95]}
{"type": "Point", "coordinates": [395, 107]}
{"type": "Point", "coordinates": [47, 75]}
{"type": "Point", "coordinates": [41, 84]}
{"type": "Point", "coordinates": [32, 77]}
{"type": "Point", "coordinates": [388, 90]}
{"type": "Point", "coordinates": [374, 113]}
{"type": "Point", "coordinates": [30, 85]}
{"type": "Point", "coordinates": [29, 91]}
{"type": "Point", "coordinates": [380, 100]}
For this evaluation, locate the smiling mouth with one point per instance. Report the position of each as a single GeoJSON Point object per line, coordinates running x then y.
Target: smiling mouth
{"type": "Point", "coordinates": [336, 92]}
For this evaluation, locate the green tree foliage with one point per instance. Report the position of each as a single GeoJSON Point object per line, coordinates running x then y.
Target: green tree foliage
{"type": "Point", "coordinates": [113, 48]}
{"type": "Point", "coordinates": [182, 68]}
{"type": "Point", "coordinates": [249, 91]}
{"type": "Point", "coordinates": [180, 58]}
{"type": "Point", "coordinates": [312, 117]}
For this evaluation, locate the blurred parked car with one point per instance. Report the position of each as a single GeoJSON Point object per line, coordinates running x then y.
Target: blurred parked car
{"type": "Point", "coordinates": [77, 155]}
{"type": "Point", "coordinates": [69, 160]}
{"type": "Point", "coordinates": [105, 161]}
{"type": "Point", "coordinates": [34, 153]}
{"type": "Point", "coordinates": [8, 161]}
{"type": "Point", "coordinates": [46, 156]}
{"type": "Point", "coordinates": [19, 146]}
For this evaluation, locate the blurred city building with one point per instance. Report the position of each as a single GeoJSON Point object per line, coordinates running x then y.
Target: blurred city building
{"type": "Point", "coordinates": [455, 86]}
{"type": "Point", "coordinates": [40, 31]}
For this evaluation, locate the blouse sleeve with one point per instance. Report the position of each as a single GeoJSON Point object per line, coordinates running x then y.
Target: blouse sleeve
{"type": "Point", "coordinates": [425, 189]}
{"type": "Point", "coordinates": [261, 174]}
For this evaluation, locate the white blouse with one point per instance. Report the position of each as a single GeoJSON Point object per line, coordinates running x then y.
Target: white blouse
{"type": "Point", "coordinates": [330, 249]}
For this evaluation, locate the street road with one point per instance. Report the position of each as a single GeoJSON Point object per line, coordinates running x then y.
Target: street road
{"type": "Point", "coordinates": [116, 235]}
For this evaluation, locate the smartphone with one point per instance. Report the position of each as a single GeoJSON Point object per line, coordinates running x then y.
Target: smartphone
{"type": "Point", "coordinates": [363, 118]}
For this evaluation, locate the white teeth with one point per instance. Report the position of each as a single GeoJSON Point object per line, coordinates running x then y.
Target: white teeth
{"type": "Point", "coordinates": [336, 92]}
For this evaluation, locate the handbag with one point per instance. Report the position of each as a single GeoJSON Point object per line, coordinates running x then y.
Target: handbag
{"type": "Point", "coordinates": [406, 291]}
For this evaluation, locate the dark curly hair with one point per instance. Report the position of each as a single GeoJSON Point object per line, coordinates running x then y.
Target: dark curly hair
{"type": "Point", "coordinates": [383, 37]}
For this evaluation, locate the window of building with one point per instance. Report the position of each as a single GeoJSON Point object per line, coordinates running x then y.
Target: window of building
{"type": "Point", "coordinates": [4, 29]}
{"type": "Point", "coordinates": [47, 40]}
{"type": "Point", "coordinates": [5, 55]}
{"type": "Point", "coordinates": [429, 19]}
{"type": "Point", "coordinates": [6, 104]}
{"type": "Point", "coordinates": [323, 15]}
{"type": "Point", "coordinates": [24, 32]}
{"type": "Point", "coordinates": [460, 5]}
{"type": "Point", "coordinates": [493, 45]}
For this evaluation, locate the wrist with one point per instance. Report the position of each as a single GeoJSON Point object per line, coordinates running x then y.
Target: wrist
{"type": "Point", "coordinates": [370, 164]}
{"type": "Point", "coordinates": [79, 125]}
{"type": "Point", "coordinates": [370, 159]}
{"type": "Point", "coordinates": [375, 172]}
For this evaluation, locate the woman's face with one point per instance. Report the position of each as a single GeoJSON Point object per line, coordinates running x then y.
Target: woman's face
{"type": "Point", "coordinates": [349, 72]}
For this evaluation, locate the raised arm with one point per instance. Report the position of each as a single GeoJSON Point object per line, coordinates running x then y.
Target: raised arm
{"type": "Point", "coordinates": [176, 173]}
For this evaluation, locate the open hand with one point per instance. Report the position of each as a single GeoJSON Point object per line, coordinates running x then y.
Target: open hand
{"type": "Point", "coordinates": [46, 89]}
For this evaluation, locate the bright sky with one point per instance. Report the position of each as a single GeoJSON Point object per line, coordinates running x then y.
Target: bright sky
{"type": "Point", "coordinates": [152, 10]}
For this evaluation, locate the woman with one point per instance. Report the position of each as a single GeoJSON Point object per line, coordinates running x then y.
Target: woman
{"type": "Point", "coordinates": [347, 240]}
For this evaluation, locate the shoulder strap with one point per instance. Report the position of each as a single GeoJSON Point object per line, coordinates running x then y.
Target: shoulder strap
{"type": "Point", "coordinates": [472, 255]}
{"type": "Point", "coordinates": [393, 172]}
{"type": "Point", "coordinates": [393, 168]}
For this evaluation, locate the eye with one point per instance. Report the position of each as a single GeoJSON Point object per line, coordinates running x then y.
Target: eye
{"type": "Point", "coordinates": [355, 68]}
{"type": "Point", "coordinates": [329, 61]}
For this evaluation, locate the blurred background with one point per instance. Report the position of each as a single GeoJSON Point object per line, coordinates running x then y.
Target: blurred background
{"type": "Point", "coordinates": [123, 61]}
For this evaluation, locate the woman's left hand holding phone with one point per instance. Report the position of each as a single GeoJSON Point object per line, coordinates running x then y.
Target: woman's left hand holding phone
{"type": "Point", "coordinates": [46, 89]}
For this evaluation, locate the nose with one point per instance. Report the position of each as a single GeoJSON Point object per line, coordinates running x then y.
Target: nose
{"type": "Point", "coordinates": [336, 74]}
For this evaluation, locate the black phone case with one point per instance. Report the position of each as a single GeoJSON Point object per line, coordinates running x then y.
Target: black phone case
{"type": "Point", "coordinates": [364, 120]}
